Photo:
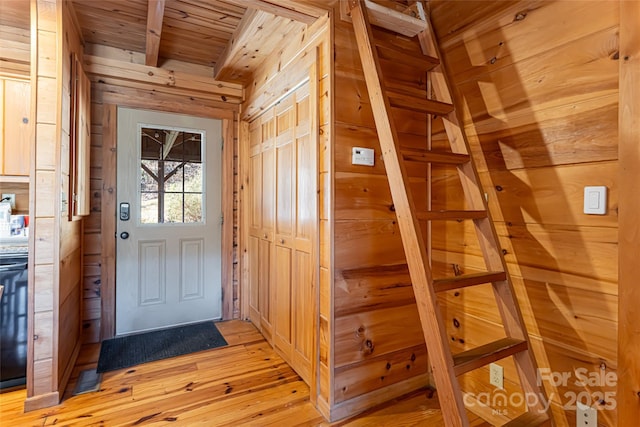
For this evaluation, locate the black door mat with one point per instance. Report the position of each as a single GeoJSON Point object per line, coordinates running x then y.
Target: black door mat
{"type": "Point", "coordinates": [131, 350]}
{"type": "Point", "coordinates": [88, 381]}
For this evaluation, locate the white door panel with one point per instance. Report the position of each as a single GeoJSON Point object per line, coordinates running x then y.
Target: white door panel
{"type": "Point", "coordinates": [169, 266]}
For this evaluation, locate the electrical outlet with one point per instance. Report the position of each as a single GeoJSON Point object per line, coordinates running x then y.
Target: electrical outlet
{"type": "Point", "coordinates": [12, 199]}
{"type": "Point", "coordinates": [496, 375]}
{"type": "Point", "coordinates": [586, 416]}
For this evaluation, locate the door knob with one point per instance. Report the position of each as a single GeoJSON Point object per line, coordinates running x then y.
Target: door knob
{"type": "Point", "coordinates": [124, 235]}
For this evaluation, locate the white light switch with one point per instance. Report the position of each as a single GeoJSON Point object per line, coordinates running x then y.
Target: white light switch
{"type": "Point", "coordinates": [595, 200]}
{"type": "Point", "coordinates": [362, 156]}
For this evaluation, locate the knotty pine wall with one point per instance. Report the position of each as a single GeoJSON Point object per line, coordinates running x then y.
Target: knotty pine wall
{"type": "Point", "coordinates": [120, 77]}
{"type": "Point", "coordinates": [378, 349]}
{"type": "Point", "coordinates": [538, 85]}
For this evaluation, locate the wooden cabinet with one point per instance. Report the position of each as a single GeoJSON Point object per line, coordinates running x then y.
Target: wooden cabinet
{"type": "Point", "coordinates": [15, 128]}
{"type": "Point", "coordinates": [283, 229]}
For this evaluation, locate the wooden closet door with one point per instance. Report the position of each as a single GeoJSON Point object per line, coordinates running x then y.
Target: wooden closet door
{"type": "Point", "coordinates": [285, 222]}
{"type": "Point", "coordinates": [254, 205]}
{"type": "Point", "coordinates": [283, 229]}
{"type": "Point", "coordinates": [305, 264]}
{"type": "Point", "coordinates": [268, 211]}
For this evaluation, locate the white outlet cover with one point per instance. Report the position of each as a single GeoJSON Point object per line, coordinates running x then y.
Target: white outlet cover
{"type": "Point", "coordinates": [595, 200]}
{"type": "Point", "coordinates": [362, 156]}
{"type": "Point", "coordinates": [496, 375]}
{"type": "Point", "coordinates": [586, 416]}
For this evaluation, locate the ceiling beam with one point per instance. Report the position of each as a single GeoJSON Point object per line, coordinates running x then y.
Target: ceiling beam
{"type": "Point", "coordinates": [244, 32]}
{"type": "Point", "coordinates": [155, 16]}
{"type": "Point", "coordinates": [283, 8]}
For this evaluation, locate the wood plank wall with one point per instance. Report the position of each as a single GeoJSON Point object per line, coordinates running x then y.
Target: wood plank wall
{"type": "Point", "coordinates": [120, 78]}
{"type": "Point", "coordinates": [378, 349]}
{"type": "Point", "coordinates": [55, 257]}
{"type": "Point", "coordinates": [538, 86]}
{"type": "Point", "coordinates": [15, 51]}
{"type": "Point", "coordinates": [629, 238]}
{"type": "Point", "coordinates": [70, 297]}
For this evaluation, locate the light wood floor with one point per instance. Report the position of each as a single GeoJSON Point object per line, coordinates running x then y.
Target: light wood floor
{"type": "Point", "coordinates": [245, 383]}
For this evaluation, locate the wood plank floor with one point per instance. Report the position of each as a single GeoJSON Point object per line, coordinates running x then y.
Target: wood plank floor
{"type": "Point", "coordinates": [245, 383]}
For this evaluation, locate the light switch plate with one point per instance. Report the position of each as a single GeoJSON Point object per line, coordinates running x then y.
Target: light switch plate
{"type": "Point", "coordinates": [362, 156]}
{"type": "Point", "coordinates": [595, 200]}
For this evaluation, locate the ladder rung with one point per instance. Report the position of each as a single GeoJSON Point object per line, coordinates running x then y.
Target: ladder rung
{"type": "Point", "coordinates": [434, 157]}
{"type": "Point", "coordinates": [393, 20]}
{"type": "Point", "coordinates": [451, 215]}
{"type": "Point", "coordinates": [396, 55]}
{"type": "Point", "coordinates": [466, 280]}
{"type": "Point", "coordinates": [528, 419]}
{"type": "Point", "coordinates": [485, 354]}
{"type": "Point", "coordinates": [429, 106]}
{"type": "Point", "coordinates": [379, 270]}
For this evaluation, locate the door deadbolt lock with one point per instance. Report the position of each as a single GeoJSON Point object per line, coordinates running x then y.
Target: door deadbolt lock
{"type": "Point", "coordinates": [124, 211]}
{"type": "Point", "coordinates": [124, 235]}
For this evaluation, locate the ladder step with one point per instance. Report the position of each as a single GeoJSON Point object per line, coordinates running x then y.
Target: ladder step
{"type": "Point", "coordinates": [435, 157]}
{"type": "Point", "coordinates": [528, 419]}
{"type": "Point", "coordinates": [429, 106]}
{"type": "Point", "coordinates": [451, 215]}
{"type": "Point", "coordinates": [466, 280]}
{"type": "Point", "coordinates": [488, 353]}
{"type": "Point", "coordinates": [379, 270]}
{"type": "Point", "coordinates": [393, 20]}
{"type": "Point", "coordinates": [396, 55]}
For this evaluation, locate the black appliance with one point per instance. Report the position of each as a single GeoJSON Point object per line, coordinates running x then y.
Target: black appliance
{"type": "Point", "coordinates": [13, 319]}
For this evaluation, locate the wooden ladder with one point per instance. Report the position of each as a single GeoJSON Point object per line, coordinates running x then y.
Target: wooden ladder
{"type": "Point", "coordinates": [445, 366]}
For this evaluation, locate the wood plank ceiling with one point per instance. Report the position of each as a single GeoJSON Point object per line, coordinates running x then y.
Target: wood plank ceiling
{"type": "Point", "coordinates": [232, 36]}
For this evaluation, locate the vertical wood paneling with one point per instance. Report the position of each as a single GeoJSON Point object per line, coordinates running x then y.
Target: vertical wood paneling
{"type": "Point", "coordinates": [628, 396]}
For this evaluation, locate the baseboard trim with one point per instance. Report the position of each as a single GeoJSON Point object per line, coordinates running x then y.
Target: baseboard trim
{"type": "Point", "coordinates": [359, 404]}
{"type": "Point", "coordinates": [42, 401]}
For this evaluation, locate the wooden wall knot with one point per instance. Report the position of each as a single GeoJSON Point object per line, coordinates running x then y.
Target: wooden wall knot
{"type": "Point", "coordinates": [520, 16]}
{"type": "Point", "coordinates": [368, 347]}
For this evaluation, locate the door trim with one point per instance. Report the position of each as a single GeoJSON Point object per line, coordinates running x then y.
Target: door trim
{"type": "Point", "coordinates": [109, 201]}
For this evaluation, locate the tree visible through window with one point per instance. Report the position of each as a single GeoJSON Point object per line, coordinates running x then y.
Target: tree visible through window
{"type": "Point", "coordinates": [171, 183]}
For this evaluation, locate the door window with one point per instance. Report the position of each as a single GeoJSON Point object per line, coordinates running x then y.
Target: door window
{"type": "Point", "coordinates": [171, 176]}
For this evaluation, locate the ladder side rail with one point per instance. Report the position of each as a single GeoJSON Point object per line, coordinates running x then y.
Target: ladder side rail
{"type": "Point", "coordinates": [440, 356]}
{"type": "Point", "coordinates": [488, 238]}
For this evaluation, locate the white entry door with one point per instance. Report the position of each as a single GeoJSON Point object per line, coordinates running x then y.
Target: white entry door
{"type": "Point", "coordinates": [168, 266]}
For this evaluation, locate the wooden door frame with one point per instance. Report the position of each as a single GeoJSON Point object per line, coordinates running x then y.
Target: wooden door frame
{"type": "Point", "coordinates": [109, 202]}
